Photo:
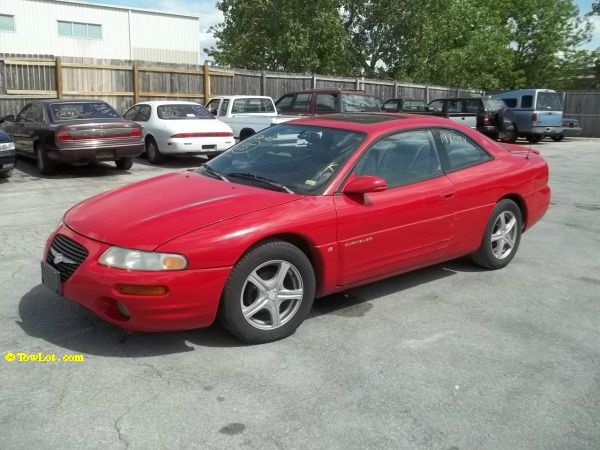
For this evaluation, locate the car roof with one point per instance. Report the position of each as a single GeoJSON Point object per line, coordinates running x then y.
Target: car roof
{"type": "Point", "coordinates": [167, 102]}
{"type": "Point", "coordinates": [48, 101]}
{"type": "Point", "coordinates": [239, 96]}
{"type": "Point", "coordinates": [329, 91]}
{"type": "Point", "coordinates": [373, 122]}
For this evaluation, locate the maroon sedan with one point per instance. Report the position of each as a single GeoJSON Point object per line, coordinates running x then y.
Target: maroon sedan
{"type": "Point", "coordinates": [74, 131]}
{"type": "Point", "coordinates": [300, 210]}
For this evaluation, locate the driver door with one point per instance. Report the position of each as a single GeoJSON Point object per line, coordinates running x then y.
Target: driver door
{"type": "Point", "coordinates": [407, 225]}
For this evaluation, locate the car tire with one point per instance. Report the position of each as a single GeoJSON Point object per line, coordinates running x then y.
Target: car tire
{"type": "Point", "coordinates": [502, 236]}
{"type": "Point", "coordinates": [534, 138]}
{"type": "Point", "coordinates": [279, 276]}
{"type": "Point", "coordinates": [6, 174]}
{"type": "Point", "coordinates": [511, 135]}
{"type": "Point", "coordinates": [124, 163]}
{"type": "Point", "coordinates": [558, 137]}
{"type": "Point", "coordinates": [153, 152]}
{"type": "Point", "coordinates": [44, 165]}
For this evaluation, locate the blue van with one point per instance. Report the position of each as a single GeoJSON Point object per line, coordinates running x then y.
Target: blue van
{"type": "Point", "coordinates": [535, 113]}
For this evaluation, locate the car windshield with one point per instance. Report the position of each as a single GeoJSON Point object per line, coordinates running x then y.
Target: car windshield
{"type": "Point", "coordinates": [414, 105]}
{"type": "Point", "coordinates": [359, 103]}
{"type": "Point", "coordinates": [493, 105]}
{"type": "Point", "coordinates": [83, 111]}
{"type": "Point", "coordinates": [183, 112]}
{"type": "Point", "coordinates": [548, 101]}
{"type": "Point", "coordinates": [292, 158]}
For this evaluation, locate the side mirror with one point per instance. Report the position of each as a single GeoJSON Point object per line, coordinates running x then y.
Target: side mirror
{"type": "Point", "coordinates": [8, 118]}
{"type": "Point", "coordinates": [364, 184]}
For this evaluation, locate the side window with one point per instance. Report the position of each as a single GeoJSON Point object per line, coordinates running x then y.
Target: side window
{"type": "Point", "coordinates": [473, 105]}
{"type": "Point", "coordinates": [130, 115]}
{"type": "Point", "coordinates": [527, 101]}
{"type": "Point", "coordinates": [223, 108]}
{"type": "Point", "coordinates": [213, 106]}
{"type": "Point", "coordinates": [37, 113]}
{"type": "Point", "coordinates": [401, 159]}
{"type": "Point", "coordinates": [285, 102]}
{"type": "Point", "coordinates": [454, 106]}
{"type": "Point", "coordinates": [460, 150]}
{"type": "Point", "coordinates": [326, 103]}
{"type": "Point", "coordinates": [391, 106]}
{"type": "Point", "coordinates": [301, 103]}
{"type": "Point", "coordinates": [436, 106]}
{"type": "Point", "coordinates": [143, 114]}
{"type": "Point", "coordinates": [25, 114]}
{"type": "Point", "coordinates": [510, 102]}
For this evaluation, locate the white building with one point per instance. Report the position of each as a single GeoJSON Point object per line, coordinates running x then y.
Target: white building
{"type": "Point", "coordinates": [79, 29]}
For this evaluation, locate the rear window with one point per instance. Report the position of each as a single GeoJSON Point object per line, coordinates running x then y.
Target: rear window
{"type": "Point", "coordinates": [414, 105]}
{"type": "Point", "coordinates": [252, 105]}
{"type": "Point", "coordinates": [183, 112]}
{"type": "Point", "coordinates": [492, 104]}
{"type": "Point", "coordinates": [359, 103]}
{"type": "Point", "coordinates": [549, 101]}
{"type": "Point", "coordinates": [83, 111]}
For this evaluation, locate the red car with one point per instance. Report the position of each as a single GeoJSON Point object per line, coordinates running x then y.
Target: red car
{"type": "Point", "coordinates": [301, 210]}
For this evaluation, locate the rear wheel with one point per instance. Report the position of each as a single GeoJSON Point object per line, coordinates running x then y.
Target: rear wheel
{"type": "Point", "coordinates": [534, 138]}
{"type": "Point", "coordinates": [510, 135]}
{"type": "Point", "coordinates": [124, 163]}
{"type": "Point", "coordinates": [152, 152]}
{"type": "Point", "coordinates": [502, 236]}
{"type": "Point", "coordinates": [246, 133]}
{"type": "Point", "coordinates": [44, 165]}
{"type": "Point", "coordinates": [558, 137]}
{"type": "Point", "coordinates": [268, 294]}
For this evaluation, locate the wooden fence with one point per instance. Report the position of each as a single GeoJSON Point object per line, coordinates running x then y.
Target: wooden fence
{"type": "Point", "coordinates": [123, 83]}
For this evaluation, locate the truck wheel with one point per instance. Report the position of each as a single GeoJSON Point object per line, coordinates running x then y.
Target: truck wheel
{"type": "Point", "coordinates": [558, 137]}
{"type": "Point", "coordinates": [246, 133]}
{"type": "Point", "coordinates": [510, 135]}
{"type": "Point", "coordinates": [44, 165]}
{"type": "Point", "coordinates": [534, 138]}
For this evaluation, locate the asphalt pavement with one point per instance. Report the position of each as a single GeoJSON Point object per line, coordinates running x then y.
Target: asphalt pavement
{"type": "Point", "coordinates": [449, 357]}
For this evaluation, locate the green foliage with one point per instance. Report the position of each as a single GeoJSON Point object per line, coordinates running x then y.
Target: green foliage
{"type": "Point", "coordinates": [478, 43]}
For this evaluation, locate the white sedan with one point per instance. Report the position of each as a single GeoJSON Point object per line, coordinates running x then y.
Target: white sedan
{"type": "Point", "coordinates": [183, 128]}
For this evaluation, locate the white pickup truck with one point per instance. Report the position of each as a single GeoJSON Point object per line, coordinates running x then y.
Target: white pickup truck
{"type": "Point", "coordinates": [246, 114]}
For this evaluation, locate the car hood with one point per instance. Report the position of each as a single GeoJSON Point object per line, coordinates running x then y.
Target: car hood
{"type": "Point", "coordinates": [149, 213]}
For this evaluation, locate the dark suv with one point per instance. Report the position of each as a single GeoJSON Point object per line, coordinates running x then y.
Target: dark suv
{"type": "Point", "coordinates": [327, 101]}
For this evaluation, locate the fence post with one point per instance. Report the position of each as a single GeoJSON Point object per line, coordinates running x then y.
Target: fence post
{"type": "Point", "coordinates": [263, 83]}
{"type": "Point", "coordinates": [206, 82]}
{"type": "Point", "coordinates": [426, 94]}
{"type": "Point", "coordinates": [357, 83]}
{"type": "Point", "coordinates": [58, 77]}
{"type": "Point", "coordinates": [135, 80]}
{"type": "Point", "coordinates": [395, 89]}
{"type": "Point", "coordinates": [314, 81]}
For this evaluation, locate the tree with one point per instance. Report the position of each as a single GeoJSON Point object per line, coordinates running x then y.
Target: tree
{"type": "Point", "coordinates": [282, 35]}
{"type": "Point", "coordinates": [596, 8]}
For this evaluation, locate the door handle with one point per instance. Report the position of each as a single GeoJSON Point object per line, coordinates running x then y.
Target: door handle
{"type": "Point", "coordinates": [447, 195]}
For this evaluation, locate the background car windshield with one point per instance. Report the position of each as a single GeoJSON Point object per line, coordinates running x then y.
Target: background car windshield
{"type": "Point", "coordinates": [414, 105]}
{"type": "Point", "coordinates": [492, 104]}
{"type": "Point", "coordinates": [81, 111]}
{"type": "Point", "coordinates": [302, 158]}
{"type": "Point", "coordinates": [183, 112]}
{"type": "Point", "coordinates": [359, 103]}
{"type": "Point", "coordinates": [548, 100]}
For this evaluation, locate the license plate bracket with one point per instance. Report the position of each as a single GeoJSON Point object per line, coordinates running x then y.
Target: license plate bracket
{"type": "Point", "coordinates": [51, 278]}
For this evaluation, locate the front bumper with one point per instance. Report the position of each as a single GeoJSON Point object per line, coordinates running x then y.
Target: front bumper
{"type": "Point", "coordinates": [8, 159]}
{"type": "Point", "coordinates": [191, 301]}
{"type": "Point", "coordinates": [196, 146]}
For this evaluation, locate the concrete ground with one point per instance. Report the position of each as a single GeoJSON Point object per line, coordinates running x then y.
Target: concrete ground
{"type": "Point", "coordinates": [449, 357]}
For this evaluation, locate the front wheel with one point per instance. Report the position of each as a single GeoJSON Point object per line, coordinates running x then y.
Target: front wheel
{"type": "Point", "coordinates": [124, 163]}
{"type": "Point", "coordinates": [534, 138]}
{"type": "Point", "coordinates": [558, 137]}
{"type": "Point", "coordinates": [502, 236]}
{"type": "Point", "coordinates": [268, 294]}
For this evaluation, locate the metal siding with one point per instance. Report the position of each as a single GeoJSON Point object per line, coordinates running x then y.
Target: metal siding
{"type": "Point", "coordinates": [172, 39]}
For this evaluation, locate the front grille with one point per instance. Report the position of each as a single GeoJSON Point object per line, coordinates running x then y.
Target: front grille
{"type": "Point", "coordinates": [73, 254]}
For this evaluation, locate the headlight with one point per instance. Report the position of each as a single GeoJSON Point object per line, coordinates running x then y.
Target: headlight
{"type": "Point", "coordinates": [7, 146]}
{"type": "Point", "coordinates": [123, 258]}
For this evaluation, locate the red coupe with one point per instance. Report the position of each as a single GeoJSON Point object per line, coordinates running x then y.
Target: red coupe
{"type": "Point", "coordinates": [298, 211]}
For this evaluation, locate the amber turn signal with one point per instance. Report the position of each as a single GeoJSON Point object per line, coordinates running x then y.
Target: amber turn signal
{"type": "Point", "coordinates": [135, 289]}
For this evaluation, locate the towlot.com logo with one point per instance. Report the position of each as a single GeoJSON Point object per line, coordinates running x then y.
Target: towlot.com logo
{"type": "Point", "coordinates": [41, 357]}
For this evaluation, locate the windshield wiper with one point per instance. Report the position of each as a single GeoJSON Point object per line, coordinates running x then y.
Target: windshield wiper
{"type": "Point", "coordinates": [213, 173]}
{"type": "Point", "coordinates": [254, 177]}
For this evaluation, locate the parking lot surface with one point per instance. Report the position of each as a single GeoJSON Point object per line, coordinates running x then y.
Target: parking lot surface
{"type": "Point", "coordinates": [448, 357]}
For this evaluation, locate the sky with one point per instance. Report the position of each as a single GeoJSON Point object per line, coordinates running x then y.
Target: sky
{"type": "Point", "coordinates": [209, 15]}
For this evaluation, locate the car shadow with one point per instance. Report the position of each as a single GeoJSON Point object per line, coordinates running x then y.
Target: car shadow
{"type": "Point", "coordinates": [66, 324]}
{"type": "Point", "coordinates": [65, 171]}
{"type": "Point", "coordinates": [175, 162]}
